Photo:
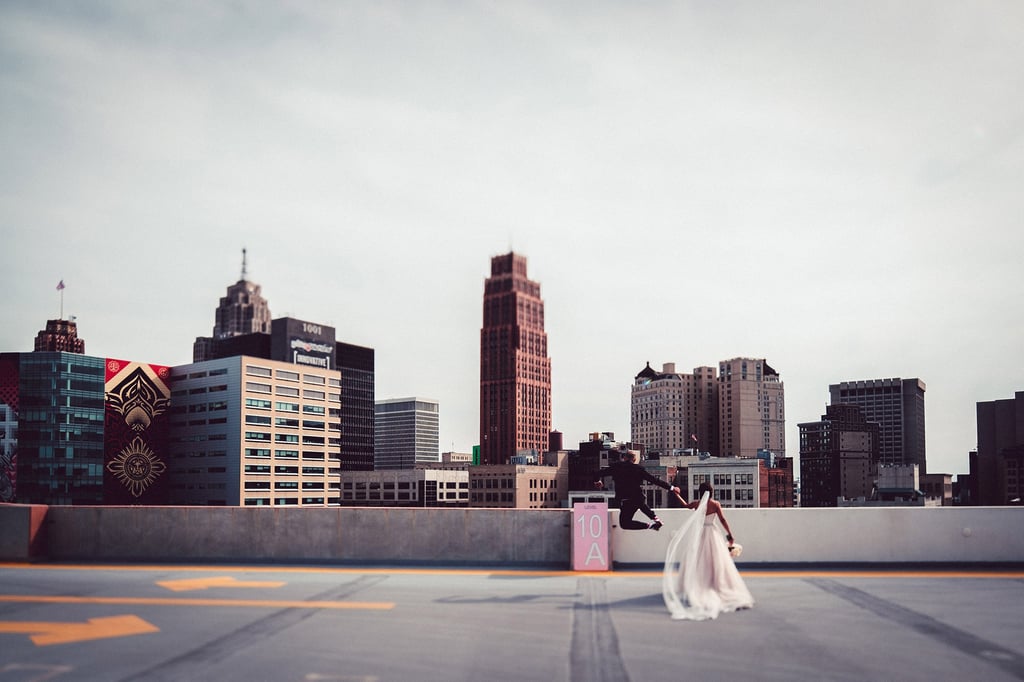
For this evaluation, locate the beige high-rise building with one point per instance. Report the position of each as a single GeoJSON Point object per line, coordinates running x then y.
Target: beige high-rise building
{"type": "Point", "coordinates": [251, 431]}
{"type": "Point", "coordinates": [751, 408]}
{"type": "Point", "coordinates": [671, 412]}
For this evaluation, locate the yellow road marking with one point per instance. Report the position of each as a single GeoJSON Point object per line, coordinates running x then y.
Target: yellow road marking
{"type": "Point", "coordinates": [186, 585]}
{"type": "Point", "coordinates": [167, 601]}
{"type": "Point", "coordinates": [750, 571]}
{"type": "Point", "coordinates": [44, 634]}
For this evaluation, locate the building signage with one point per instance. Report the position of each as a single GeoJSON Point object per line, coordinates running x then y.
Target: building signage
{"type": "Point", "coordinates": [306, 352]}
{"type": "Point", "coordinates": [303, 343]}
{"type": "Point", "coordinates": [590, 547]}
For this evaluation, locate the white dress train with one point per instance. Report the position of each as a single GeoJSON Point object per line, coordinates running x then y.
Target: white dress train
{"type": "Point", "coordinates": [700, 579]}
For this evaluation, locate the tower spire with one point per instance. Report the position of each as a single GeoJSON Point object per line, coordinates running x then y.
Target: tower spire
{"type": "Point", "coordinates": [244, 270]}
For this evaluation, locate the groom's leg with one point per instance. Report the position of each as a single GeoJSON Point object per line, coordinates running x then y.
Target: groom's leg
{"type": "Point", "coordinates": [656, 525]}
{"type": "Point", "coordinates": [626, 511]}
{"type": "Point", "coordinates": [648, 512]}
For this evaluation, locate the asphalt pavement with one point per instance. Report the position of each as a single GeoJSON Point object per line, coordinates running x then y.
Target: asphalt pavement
{"type": "Point", "coordinates": [318, 623]}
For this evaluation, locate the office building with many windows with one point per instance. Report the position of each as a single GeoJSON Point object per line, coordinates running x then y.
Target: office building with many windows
{"type": "Point", "coordinates": [999, 470]}
{"type": "Point", "coordinates": [356, 364]}
{"type": "Point", "coordinates": [406, 433]}
{"type": "Point", "coordinates": [421, 486]}
{"type": "Point", "coordinates": [897, 406]}
{"type": "Point", "coordinates": [751, 408]}
{"type": "Point", "coordinates": [520, 486]}
{"type": "Point", "coordinates": [671, 412]}
{"type": "Point", "coordinates": [89, 430]}
{"type": "Point", "coordinates": [255, 432]}
{"type": "Point", "coordinates": [515, 371]}
{"type": "Point", "coordinates": [839, 457]}
{"type": "Point", "coordinates": [738, 481]}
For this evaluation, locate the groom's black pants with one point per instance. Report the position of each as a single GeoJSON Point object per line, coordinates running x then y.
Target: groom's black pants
{"type": "Point", "coordinates": [627, 508]}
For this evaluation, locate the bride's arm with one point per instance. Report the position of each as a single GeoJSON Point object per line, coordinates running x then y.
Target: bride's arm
{"type": "Point", "coordinates": [725, 524]}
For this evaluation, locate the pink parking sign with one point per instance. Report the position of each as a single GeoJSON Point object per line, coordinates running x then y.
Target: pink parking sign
{"type": "Point", "coordinates": [590, 537]}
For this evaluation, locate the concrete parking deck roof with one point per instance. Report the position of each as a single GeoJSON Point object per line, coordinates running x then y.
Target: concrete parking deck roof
{"type": "Point", "coordinates": [273, 622]}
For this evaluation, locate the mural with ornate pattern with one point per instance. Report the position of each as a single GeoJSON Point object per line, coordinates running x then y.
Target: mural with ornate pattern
{"type": "Point", "coordinates": [135, 433]}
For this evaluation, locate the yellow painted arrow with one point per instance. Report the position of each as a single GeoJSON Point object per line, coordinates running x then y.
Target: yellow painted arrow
{"type": "Point", "coordinates": [44, 634]}
{"type": "Point", "coordinates": [188, 584]}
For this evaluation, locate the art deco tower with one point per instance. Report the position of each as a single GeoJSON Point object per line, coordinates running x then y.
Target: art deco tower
{"type": "Point", "coordinates": [515, 371]}
{"type": "Point", "coordinates": [242, 311]}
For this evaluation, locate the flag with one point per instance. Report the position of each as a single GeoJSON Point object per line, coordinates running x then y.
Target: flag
{"type": "Point", "coordinates": [60, 285]}
{"type": "Point", "coordinates": [693, 437]}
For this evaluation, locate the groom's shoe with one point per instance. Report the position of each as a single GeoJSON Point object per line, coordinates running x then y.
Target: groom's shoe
{"type": "Point", "coordinates": [656, 525]}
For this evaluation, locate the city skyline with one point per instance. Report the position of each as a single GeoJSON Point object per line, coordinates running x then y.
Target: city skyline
{"type": "Point", "coordinates": [831, 189]}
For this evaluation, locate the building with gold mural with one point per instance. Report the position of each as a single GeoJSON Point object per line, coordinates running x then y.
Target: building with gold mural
{"type": "Point", "coordinates": [80, 429]}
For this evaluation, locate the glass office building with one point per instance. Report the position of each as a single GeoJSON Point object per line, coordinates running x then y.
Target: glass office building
{"type": "Point", "coordinates": [60, 428]}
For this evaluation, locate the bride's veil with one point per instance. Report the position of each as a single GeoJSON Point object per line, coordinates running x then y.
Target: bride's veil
{"type": "Point", "coordinates": [680, 560]}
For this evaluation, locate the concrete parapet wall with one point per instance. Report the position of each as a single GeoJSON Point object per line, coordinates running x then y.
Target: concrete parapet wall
{"type": "Point", "coordinates": [850, 535]}
{"type": "Point", "coordinates": [513, 537]}
{"type": "Point", "coordinates": [23, 531]}
{"type": "Point", "coordinates": [347, 534]}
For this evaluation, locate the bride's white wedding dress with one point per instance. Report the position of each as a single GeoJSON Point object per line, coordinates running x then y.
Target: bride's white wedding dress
{"type": "Point", "coordinates": [700, 579]}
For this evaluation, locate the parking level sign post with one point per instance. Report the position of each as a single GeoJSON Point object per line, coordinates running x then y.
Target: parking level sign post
{"type": "Point", "coordinates": [591, 550]}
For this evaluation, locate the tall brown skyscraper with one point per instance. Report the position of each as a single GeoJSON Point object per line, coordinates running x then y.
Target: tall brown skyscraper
{"type": "Point", "coordinates": [242, 311]}
{"type": "Point", "coordinates": [515, 371]}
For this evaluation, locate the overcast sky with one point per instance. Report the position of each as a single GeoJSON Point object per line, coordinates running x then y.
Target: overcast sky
{"type": "Point", "coordinates": [835, 187]}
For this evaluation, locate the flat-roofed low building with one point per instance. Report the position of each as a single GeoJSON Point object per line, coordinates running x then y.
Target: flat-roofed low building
{"type": "Point", "coordinates": [520, 486]}
{"type": "Point", "coordinates": [416, 487]}
{"type": "Point", "coordinates": [937, 489]}
{"type": "Point", "coordinates": [457, 458]}
{"type": "Point", "coordinates": [738, 481]}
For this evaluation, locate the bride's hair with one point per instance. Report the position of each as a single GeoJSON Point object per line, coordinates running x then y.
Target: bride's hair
{"type": "Point", "coordinates": [706, 487]}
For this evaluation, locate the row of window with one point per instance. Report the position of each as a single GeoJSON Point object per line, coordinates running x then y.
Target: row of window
{"type": "Point", "coordinates": [285, 422]}
{"type": "Point", "coordinates": [307, 393]}
{"type": "Point", "coordinates": [290, 438]}
{"type": "Point", "coordinates": [287, 375]}
{"type": "Point", "coordinates": [284, 485]}
{"type": "Point", "coordinates": [293, 470]}
{"type": "Point", "coordinates": [284, 501]}
{"type": "Point", "coordinates": [264, 453]}
{"type": "Point", "coordinates": [260, 404]}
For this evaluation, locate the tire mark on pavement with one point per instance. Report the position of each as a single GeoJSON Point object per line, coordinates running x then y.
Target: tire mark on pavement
{"type": "Point", "coordinates": [966, 642]}
{"type": "Point", "coordinates": [193, 665]}
{"type": "Point", "coordinates": [594, 654]}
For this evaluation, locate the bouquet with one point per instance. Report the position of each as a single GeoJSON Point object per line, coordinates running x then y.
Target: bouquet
{"type": "Point", "coordinates": [735, 550]}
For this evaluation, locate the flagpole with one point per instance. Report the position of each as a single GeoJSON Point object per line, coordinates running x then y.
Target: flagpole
{"type": "Point", "coordinates": [60, 288]}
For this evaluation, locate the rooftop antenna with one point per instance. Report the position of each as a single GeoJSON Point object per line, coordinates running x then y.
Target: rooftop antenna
{"type": "Point", "coordinates": [244, 271]}
{"type": "Point", "coordinates": [60, 288]}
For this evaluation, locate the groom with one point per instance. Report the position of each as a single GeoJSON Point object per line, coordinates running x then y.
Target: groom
{"type": "Point", "coordinates": [629, 477]}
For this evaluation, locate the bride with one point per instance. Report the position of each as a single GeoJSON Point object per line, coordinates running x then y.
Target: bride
{"type": "Point", "coordinates": [700, 579]}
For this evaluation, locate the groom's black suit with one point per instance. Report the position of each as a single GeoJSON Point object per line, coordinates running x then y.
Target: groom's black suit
{"type": "Point", "coordinates": [629, 478]}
